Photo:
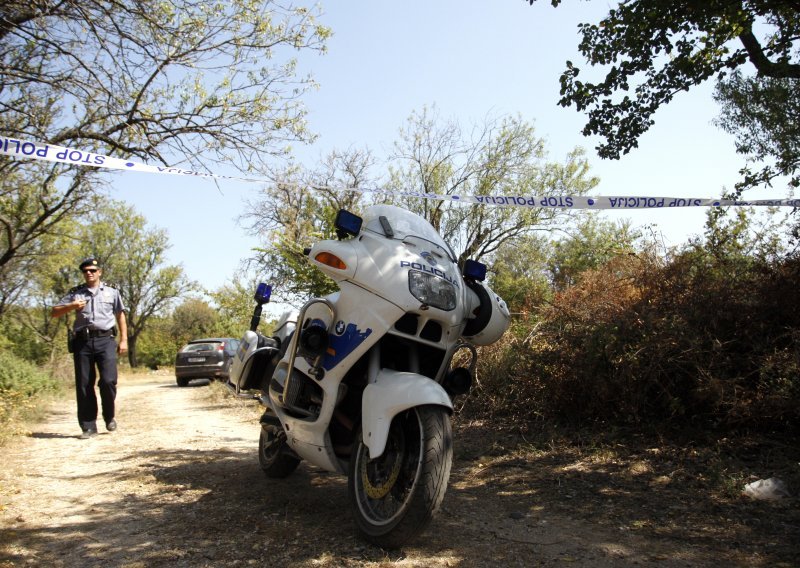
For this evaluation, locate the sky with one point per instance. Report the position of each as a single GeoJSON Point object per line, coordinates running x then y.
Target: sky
{"type": "Point", "coordinates": [471, 59]}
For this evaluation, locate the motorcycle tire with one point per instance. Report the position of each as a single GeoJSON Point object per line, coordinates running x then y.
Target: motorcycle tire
{"type": "Point", "coordinates": [272, 457]}
{"type": "Point", "coordinates": [395, 496]}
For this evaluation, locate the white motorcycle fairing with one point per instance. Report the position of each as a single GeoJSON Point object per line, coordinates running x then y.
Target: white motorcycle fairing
{"type": "Point", "coordinates": [369, 318]}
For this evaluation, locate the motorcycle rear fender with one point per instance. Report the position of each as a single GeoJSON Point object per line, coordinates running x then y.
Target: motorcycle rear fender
{"type": "Point", "coordinates": [390, 394]}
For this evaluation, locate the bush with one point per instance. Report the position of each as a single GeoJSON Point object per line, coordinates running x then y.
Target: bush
{"type": "Point", "coordinates": [156, 346]}
{"type": "Point", "coordinates": [22, 376]}
{"type": "Point", "coordinates": [711, 342]}
{"type": "Point", "coordinates": [22, 340]}
{"type": "Point", "coordinates": [22, 385]}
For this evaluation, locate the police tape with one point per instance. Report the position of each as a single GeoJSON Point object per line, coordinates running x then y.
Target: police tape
{"type": "Point", "coordinates": [48, 152]}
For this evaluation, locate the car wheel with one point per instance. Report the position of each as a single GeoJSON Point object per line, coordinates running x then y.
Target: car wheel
{"type": "Point", "coordinates": [182, 382]}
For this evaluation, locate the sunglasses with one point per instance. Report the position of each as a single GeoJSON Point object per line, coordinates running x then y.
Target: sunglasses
{"type": "Point", "coordinates": [91, 270]}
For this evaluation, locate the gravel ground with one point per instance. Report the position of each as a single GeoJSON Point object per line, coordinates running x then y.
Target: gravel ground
{"type": "Point", "coordinates": [178, 484]}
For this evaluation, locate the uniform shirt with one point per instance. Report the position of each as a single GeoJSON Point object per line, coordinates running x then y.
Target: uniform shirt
{"type": "Point", "coordinates": [102, 305]}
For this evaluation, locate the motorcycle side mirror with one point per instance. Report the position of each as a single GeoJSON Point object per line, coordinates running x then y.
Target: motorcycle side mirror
{"type": "Point", "coordinates": [474, 270]}
{"type": "Point", "coordinates": [263, 293]}
{"type": "Point", "coordinates": [347, 223]}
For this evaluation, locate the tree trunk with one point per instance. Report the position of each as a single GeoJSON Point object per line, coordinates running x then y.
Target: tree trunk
{"type": "Point", "coordinates": [134, 362]}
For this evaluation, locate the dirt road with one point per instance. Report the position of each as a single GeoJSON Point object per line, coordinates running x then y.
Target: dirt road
{"type": "Point", "coordinates": [178, 484]}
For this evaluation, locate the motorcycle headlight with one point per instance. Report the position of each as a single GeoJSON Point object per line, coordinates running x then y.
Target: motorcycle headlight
{"type": "Point", "coordinates": [432, 290]}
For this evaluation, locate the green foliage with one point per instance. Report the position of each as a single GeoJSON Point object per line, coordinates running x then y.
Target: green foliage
{"type": "Point", "coordinates": [501, 157]}
{"type": "Point", "coordinates": [590, 244]}
{"type": "Point", "coordinates": [297, 276]}
{"type": "Point", "coordinates": [299, 209]}
{"type": "Point", "coordinates": [655, 49]}
{"type": "Point", "coordinates": [234, 305]}
{"type": "Point", "coordinates": [740, 236]}
{"type": "Point", "coordinates": [764, 116]}
{"type": "Point", "coordinates": [21, 376]}
{"type": "Point", "coordinates": [23, 340]}
{"type": "Point", "coordinates": [707, 339]}
{"type": "Point", "coordinates": [520, 276]}
{"type": "Point", "coordinates": [192, 319]}
{"type": "Point", "coordinates": [228, 315]}
{"type": "Point", "coordinates": [197, 84]}
{"type": "Point", "coordinates": [21, 385]}
{"type": "Point", "coordinates": [194, 81]}
{"type": "Point", "coordinates": [157, 345]}
{"type": "Point", "coordinates": [528, 269]}
{"type": "Point", "coordinates": [32, 206]}
{"type": "Point", "coordinates": [132, 255]}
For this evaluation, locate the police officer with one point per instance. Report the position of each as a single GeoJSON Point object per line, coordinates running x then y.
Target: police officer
{"type": "Point", "coordinates": [97, 306]}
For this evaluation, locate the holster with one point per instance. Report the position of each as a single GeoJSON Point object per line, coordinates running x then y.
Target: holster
{"type": "Point", "coordinates": [70, 341]}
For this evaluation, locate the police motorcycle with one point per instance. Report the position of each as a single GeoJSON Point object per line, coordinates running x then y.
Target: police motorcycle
{"type": "Point", "coordinates": [361, 382]}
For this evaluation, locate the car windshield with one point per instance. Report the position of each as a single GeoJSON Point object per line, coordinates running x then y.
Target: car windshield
{"type": "Point", "coordinates": [404, 224]}
{"type": "Point", "coordinates": [199, 347]}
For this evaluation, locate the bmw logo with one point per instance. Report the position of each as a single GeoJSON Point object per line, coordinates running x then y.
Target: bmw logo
{"type": "Point", "coordinates": [429, 258]}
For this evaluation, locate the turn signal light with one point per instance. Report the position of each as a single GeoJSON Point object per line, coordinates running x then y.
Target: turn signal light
{"type": "Point", "coordinates": [331, 260]}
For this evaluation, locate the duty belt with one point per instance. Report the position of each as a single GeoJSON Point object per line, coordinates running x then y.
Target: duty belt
{"type": "Point", "coordinates": [87, 333]}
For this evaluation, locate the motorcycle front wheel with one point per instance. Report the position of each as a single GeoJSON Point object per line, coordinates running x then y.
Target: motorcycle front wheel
{"type": "Point", "coordinates": [275, 462]}
{"type": "Point", "coordinates": [395, 495]}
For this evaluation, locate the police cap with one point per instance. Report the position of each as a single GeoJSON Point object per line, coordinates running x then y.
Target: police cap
{"type": "Point", "coordinates": [91, 261]}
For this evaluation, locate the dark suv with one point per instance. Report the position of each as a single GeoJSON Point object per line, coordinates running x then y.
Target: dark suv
{"type": "Point", "coordinates": [208, 358]}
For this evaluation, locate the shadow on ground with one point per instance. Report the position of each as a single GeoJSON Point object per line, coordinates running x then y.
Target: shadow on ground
{"type": "Point", "coordinates": [504, 507]}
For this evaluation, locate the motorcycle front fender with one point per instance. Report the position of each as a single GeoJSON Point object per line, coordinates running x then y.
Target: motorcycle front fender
{"type": "Point", "coordinates": [390, 394]}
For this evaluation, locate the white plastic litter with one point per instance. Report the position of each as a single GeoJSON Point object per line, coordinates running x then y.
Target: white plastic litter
{"type": "Point", "coordinates": [767, 489]}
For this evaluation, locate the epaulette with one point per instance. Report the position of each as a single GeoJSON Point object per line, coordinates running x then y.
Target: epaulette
{"type": "Point", "coordinates": [77, 288]}
{"type": "Point", "coordinates": [110, 285]}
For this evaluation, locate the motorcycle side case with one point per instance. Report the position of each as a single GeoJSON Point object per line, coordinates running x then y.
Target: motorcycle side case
{"type": "Point", "coordinates": [255, 362]}
{"type": "Point", "coordinates": [286, 324]}
{"type": "Point", "coordinates": [253, 365]}
{"type": "Point", "coordinates": [259, 368]}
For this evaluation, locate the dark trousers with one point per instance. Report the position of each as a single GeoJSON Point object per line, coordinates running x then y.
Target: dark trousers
{"type": "Point", "coordinates": [99, 352]}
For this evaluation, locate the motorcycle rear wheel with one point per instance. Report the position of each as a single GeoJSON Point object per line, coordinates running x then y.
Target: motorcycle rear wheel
{"type": "Point", "coordinates": [272, 457]}
{"type": "Point", "coordinates": [395, 496]}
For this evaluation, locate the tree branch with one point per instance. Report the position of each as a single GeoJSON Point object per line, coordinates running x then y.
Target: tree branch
{"type": "Point", "coordinates": [764, 66]}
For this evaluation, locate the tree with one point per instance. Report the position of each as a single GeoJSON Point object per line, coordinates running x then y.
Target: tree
{"type": "Point", "coordinates": [234, 305]}
{"type": "Point", "coordinates": [132, 257]}
{"type": "Point", "coordinates": [298, 208]}
{"type": "Point", "coordinates": [499, 157]}
{"type": "Point", "coordinates": [193, 319]}
{"type": "Point", "coordinates": [44, 275]}
{"type": "Point", "coordinates": [31, 210]}
{"type": "Point", "coordinates": [528, 270]}
{"type": "Point", "coordinates": [520, 273]}
{"type": "Point", "coordinates": [175, 82]}
{"type": "Point", "coordinates": [590, 244]}
{"type": "Point", "coordinates": [764, 116]}
{"type": "Point", "coordinates": [502, 157]}
{"type": "Point", "coordinates": [737, 236]}
{"type": "Point", "coordinates": [659, 48]}
{"type": "Point", "coordinates": [156, 346]}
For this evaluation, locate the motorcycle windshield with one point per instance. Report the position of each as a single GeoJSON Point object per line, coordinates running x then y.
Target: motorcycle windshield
{"type": "Point", "coordinates": [404, 224]}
